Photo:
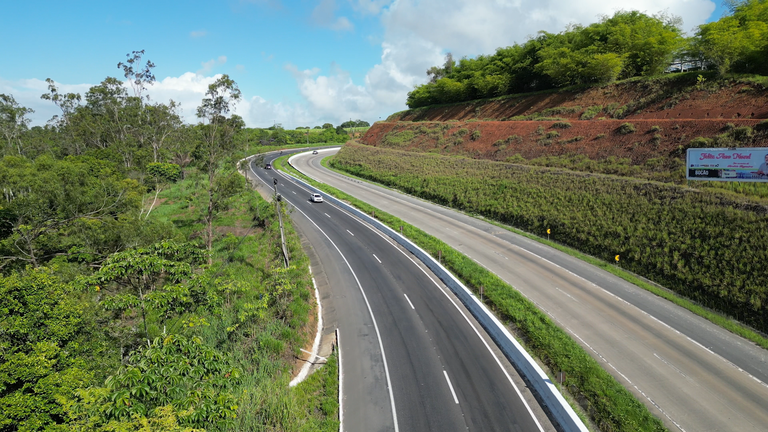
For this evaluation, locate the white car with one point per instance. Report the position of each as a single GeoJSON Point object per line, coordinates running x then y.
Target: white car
{"type": "Point", "coordinates": [315, 197]}
{"type": "Point", "coordinates": [314, 152]}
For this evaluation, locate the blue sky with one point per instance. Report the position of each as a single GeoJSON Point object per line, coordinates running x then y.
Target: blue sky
{"type": "Point", "coordinates": [298, 63]}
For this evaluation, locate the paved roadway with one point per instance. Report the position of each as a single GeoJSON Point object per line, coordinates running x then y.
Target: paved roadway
{"type": "Point", "coordinates": [411, 360]}
{"type": "Point", "coordinates": [692, 374]}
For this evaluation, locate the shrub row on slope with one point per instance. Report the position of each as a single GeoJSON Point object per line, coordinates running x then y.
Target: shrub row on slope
{"type": "Point", "coordinates": [700, 244]}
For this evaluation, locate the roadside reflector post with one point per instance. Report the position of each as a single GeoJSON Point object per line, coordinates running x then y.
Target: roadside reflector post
{"type": "Point", "coordinates": [547, 234]}
{"type": "Point", "coordinates": [561, 377]}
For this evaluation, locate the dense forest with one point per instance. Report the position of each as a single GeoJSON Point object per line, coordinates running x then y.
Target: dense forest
{"type": "Point", "coordinates": [625, 45]}
{"type": "Point", "coordinates": [142, 285]}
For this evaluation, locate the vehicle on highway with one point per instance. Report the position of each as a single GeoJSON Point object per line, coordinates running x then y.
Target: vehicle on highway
{"type": "Point", "coordinates": [314, 151]}
{"type": "Point", "coordinates": [315, 197]}
{"type": "Point", "coordinates": [268, 166]}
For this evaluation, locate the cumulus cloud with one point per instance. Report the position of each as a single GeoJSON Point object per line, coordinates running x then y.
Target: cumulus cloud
{"type": "Point", "coordinates": [27, 93]}
{"type": "Point", "coordinates": [323, 15]}
{"type": "Point", "coordinates": [210, 64]}
{"type": "Point", "coordinates": [371, 7]}
{"type": "Point", "coordinates": [417, 34]}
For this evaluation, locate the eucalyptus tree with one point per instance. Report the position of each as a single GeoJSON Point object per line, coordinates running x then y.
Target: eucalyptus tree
{"type": "Point", "coordinates": [217, 142]}
{"type": "Point", "coordinates": [68, 104]}
{"type": "Point", "coordinates": [13, 122]}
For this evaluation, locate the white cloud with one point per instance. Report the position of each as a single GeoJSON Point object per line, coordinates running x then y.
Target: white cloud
{"type": "Point", "coordinates": [210, 64]}
{"type": "Point", "coordinates": [371, 7]}
{"type": "Point", "coordinates": [323, 16]}
{"type": "Point", "coordinates": [27, 93]}
{"type": "Point", "coordinates": [417, 34]}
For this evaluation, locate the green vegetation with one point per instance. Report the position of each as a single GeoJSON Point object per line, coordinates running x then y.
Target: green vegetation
{"type": "Point", "coordinates": [591, 112]}
{"type": "Point", "coordinates": [626, 45]}
{"type": "Point", "coordinates": [141, 283]}
{"type": "Point", "coordinates": [626, 129]}
{"type": "Point", "coordinates": [607, 402]}
{"type": "Point", "coordinates": [703, 245]}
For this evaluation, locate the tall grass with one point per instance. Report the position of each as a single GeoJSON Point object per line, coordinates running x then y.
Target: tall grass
{"type": "Point", "coordinates": [262, 342]}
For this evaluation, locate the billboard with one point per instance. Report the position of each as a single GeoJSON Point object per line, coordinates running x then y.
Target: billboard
{"type": "Point", "coordinates": [721, 164]}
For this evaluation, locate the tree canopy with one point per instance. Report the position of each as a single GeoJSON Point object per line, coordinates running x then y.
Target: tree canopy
{"type": "Point", "coordinates": [625, 45]}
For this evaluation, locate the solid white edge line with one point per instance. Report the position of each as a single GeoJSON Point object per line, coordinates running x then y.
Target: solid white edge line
{"type": "Point", "coordinates": [350, 233]}
{"type": "Point", "coordinates": [316, 344]}
{"type": "Point", "coordinates": [605, 291]}
{"type": "Point", "coordinates": [377, 258]}
{"type": "Point", "coordinates": [450, 386]}
{"type": "Point", "coordinates": [409, 301]}
{"type": "Point", "coordinates": [370, 312]}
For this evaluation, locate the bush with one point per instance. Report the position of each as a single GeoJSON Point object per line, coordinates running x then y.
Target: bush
{"type": "Point", "coordinates": [626, 129]}
{"type": "Point", "coordinates": [561, 125]}
{"type": "Point", "coordinates": [516, 159]}
{"type": "Point", "coordinates": [574, 139]}
{"type": "Point", "coordinates": [475, 135]}
{"type": "Point", "coordinates": [599, 136]}
{"type": "Point", "coordinates": [655, 129]}
{"type": "Point", "coordinates": [591, 112]}
{"type": "Point", "coordinates": [461, 132]}
{"type": "Point", "coordinates": [552, 134]}
{"type": "Point", "coordinates": [700, 142]}
{"type": "Point", "coordinates": [742, 133]}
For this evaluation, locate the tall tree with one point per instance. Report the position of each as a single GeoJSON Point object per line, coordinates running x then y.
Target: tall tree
{"type": "Point", "coordinates": [13, 122]}
{"type": "Point", "coordinates": [68, 104]}
{"type": "Point", "coordinates": [217, 133]}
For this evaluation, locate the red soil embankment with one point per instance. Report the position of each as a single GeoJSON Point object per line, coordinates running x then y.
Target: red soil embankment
{"type": "Point", "coordinates": [672, 99]}
{"type": "Point", "coordinates": [498, 140]}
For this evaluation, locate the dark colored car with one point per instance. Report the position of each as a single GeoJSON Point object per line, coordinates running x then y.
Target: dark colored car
{"type": "Point", "coordinates": [268, 166]}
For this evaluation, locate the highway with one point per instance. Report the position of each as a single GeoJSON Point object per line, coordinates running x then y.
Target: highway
{"type": "Point", "coordinates": [693, 375]}
{"type": "Point", "coordinates": [412, 358]}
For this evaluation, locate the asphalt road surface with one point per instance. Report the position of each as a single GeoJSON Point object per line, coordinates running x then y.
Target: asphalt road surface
{"type": "Point", "coordinates": [693, 375]}
{"type": "Point", "coordinates": [412, 360]}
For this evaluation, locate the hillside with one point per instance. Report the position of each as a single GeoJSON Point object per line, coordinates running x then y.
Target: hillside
{"type": "Point", "coordinates": [678, 96]}
{"type": "Point", "coordinates": [646, 124]}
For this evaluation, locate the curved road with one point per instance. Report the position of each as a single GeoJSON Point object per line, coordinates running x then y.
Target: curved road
{"type": "Point", "coordinates": [411, 359]}
{"type": "Point", "coordinates": [692, 374]}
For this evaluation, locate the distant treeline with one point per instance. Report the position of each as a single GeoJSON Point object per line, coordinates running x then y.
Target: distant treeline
{"type": "Point", "coordinates": [626, 45]}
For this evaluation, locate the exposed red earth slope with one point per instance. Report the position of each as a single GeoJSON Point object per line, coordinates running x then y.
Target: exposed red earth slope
{"type": "Point", "coordinates": [666, 114]}
{"type": "Point", "coordinates": [596, 139]}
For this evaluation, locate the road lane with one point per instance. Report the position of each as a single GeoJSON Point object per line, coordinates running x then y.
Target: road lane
{"type": "Point", "coordinates": [692, 374]}
{"type": "Point", "coordinates": [424, 336]}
